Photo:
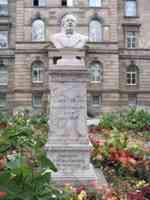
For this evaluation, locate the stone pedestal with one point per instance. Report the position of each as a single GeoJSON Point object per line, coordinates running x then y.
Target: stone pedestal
{"type": "Point", "coordinates": [68, 144]}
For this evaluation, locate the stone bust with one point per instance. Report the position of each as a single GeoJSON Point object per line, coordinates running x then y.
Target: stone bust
{"type": "Point", "coordinates": [68, 37]}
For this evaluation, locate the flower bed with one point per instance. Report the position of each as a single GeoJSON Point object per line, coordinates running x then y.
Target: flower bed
{"type": "Point", "coordinates": [25, 171]}
{"type": "Point", "coordinates": [117, 149]}
{"type": "Point", "coordinates": [122, 161]}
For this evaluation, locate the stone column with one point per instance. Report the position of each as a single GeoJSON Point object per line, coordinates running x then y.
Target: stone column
{"type": "Point", "coordinates": [68, 144]}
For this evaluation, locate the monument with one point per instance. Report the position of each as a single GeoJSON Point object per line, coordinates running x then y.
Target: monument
{"type": "Point", "coordinates": [68, 144]}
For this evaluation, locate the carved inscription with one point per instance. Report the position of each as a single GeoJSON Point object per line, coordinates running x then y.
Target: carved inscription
{"type": "Point", "coordinates": [68, 111]}
{"type": "Point", "coordinates": [70, 160]}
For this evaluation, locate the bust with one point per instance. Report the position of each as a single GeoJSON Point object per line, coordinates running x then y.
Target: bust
{"type": "Point", "coordinates": [68, 37]}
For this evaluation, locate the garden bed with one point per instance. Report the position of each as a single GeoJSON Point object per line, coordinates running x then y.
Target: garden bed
{"type": "Point", "coordinates": [118, 150]}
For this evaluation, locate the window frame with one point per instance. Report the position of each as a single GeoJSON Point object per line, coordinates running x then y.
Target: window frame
{"type": "Point", "coordinates": [130, 27]}
{"type": "Point", "coordinates": [4, 72]}
{"type": "Point", "coordinates": [7, 35]}
{"type": "Point", "coordinates": [130, 40]}
{"type": "Point", "coordinates": [130, 96]}
{"type": "Point", "coordinates": [38, 6]}
{"type": "Point", "coordinates": [44, 33]}
{"type": "Point", "coordinates": [133, 75]}
{"type": "Point", "coordinates": [96, 6]}
{"type": "Point", "coordinates": [100, 72]}
{"type": "Point", "coordinates": [36, 106]}
{"type": "Point", "coordinates": [99, 100]}
{"type": "Point", "coordinates": [89, 31]}
{"type": "Point", "coordinates": [125, 11]}
{"type": "Point", "coordinates": [5, 104]}
{"type": "Point", "coordinates": [38, 66]}
{"type": "Point", "coordinates": [7, 8]}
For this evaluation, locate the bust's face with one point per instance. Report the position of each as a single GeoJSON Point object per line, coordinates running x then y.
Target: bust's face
{"type": "Point", "coordinates": [69, 24]}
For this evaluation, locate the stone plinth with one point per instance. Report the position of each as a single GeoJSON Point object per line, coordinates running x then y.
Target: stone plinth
{"type": "Point", "coordinates": [68, 144]}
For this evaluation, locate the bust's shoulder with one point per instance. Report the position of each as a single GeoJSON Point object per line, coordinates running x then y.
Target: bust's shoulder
{"type": "Point", "coordinates": [56, 35]}
{"type": "Point", "coordinates": [81, 36]}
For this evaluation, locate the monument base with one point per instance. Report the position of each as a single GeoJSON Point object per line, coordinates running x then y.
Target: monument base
{"type": "Point", "coordinates": [72, 163]}
{"type": "Point", "coordinates": [78, 177]}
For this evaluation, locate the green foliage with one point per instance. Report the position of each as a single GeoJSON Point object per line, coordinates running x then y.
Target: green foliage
{"type": "Point", "coordinates": [146, 134]}
{"type": "Point", "coordinates": [27, 171]}
{"type": "Point", "coordinates": [22, 181]}
{"type": "Point", "coordinates": [107, 121]}
{"type": "Point", "coordinates": [137, 119]}
{"type": "Point", "coordinates": [118, 140]}
{"type": "Point", "coordinates": [134, 119]}
{"type": "Point", "coordinates": [3, 118]}
{"type": "Point", "coordinates": [39, 120]}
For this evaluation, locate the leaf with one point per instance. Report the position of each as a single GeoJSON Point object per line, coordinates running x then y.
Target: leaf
{"type": "Point", "coordinates": [46, 162]}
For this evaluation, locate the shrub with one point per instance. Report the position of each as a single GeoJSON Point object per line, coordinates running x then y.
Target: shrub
{"type": "Point", "coordinates": [134, 119]}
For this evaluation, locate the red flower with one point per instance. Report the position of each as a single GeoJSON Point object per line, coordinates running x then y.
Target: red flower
{"type": "Point", "coordinates": [3, 194]}
{"type": "Point", "coordinates": [100, 142]}
{"type": "Point", "coordinates": [79, 189]}
{"type": "Point", "coordinates": [138, 195]}
{"type": "Point", "coordinates": [146, 190]}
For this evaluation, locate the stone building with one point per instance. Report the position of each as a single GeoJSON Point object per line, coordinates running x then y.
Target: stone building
{"type": "Point", "coordinates": [117, 54]}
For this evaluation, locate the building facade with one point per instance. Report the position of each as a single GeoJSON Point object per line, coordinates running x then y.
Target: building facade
{"type": "Point", "coordinates": [117, 53]}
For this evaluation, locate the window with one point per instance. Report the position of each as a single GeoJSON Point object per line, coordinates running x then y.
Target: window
{"type": "Point", "coordinates": [39, 2]}
{"type": "Point", "coordinates": [3, 39]}
{"type": "Point", "coordinates": [37, 100]}
{"type": "Point", "coordinates": [132, 100]}
{"type": "Point", "coordinates": [95, 31]}
{"type": "Point", "coordinates": [95, 3]}
{"type": "Point", "coordinates": [3, 7]}
{"type": "Point", "coordinates": [38, 30]}
{"type": "Point", "coordinates": [69, 3]}
{"type": "Point", "coordinates": [96, 100]}
{"type": "Point", "coordinates": [131, 39]}
{"type": "Point", "coordinates": [95, 72]}
{"type": "Point", "coordinates": [37, 72]}
{"type": "Point", "coordinates": [2, 100]}
{"type": "Point", "coordinates": [3, 75]}
{"type": "Point", "coordinates": [64, 3]}
{"type": "Point", "coordinates": [132, 75]}
{"type": "Point", "coordinates": [130, 8]}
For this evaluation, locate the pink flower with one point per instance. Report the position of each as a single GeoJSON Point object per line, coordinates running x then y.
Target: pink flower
{"type": "Point", "coordinates": [99, 157]}
{"type": "Point", "coordinates": [93, 184]}
{"type": "Point", "coordinates": [3, 194]}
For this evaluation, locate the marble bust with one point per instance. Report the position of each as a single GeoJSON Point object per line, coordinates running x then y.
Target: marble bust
{"type": "Point", "coordinates": [68, 37]}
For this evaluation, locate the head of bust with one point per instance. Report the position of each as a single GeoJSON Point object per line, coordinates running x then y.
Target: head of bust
{"type": "Point", "coordinates": [69, 23]}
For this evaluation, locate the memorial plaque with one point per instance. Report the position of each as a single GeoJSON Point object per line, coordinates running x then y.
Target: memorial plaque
{"type": "Point", "coordinates": [68, 106]}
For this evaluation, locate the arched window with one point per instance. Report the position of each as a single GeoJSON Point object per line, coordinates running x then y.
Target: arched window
{"type": "Point", "coordinates": [95, 72]}
{"type": "Point", "coordinates": [39, 2]}
{"type": "Point", "coordinates": [3, 75]}
{"type": "Point", "coordinates": [95, 3]}
{"type": "Point", "coordinates": [3, 39]}
{"type": "Point", "coordinates": [132, 75]}
{"type": "Point", "coordinates": [95, 31]}
{"type": "Point", "coordinates": [3, 7]}
{"type": "Point", "coordinates": [37, 72]}
{"type": "Point", "coordinates": [38, 30]}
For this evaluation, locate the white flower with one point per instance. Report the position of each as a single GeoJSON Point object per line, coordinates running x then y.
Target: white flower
{"type": "Point", "coordinates": [53, 196]}
{"type": "Point", "coordinates": [60, 191]}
